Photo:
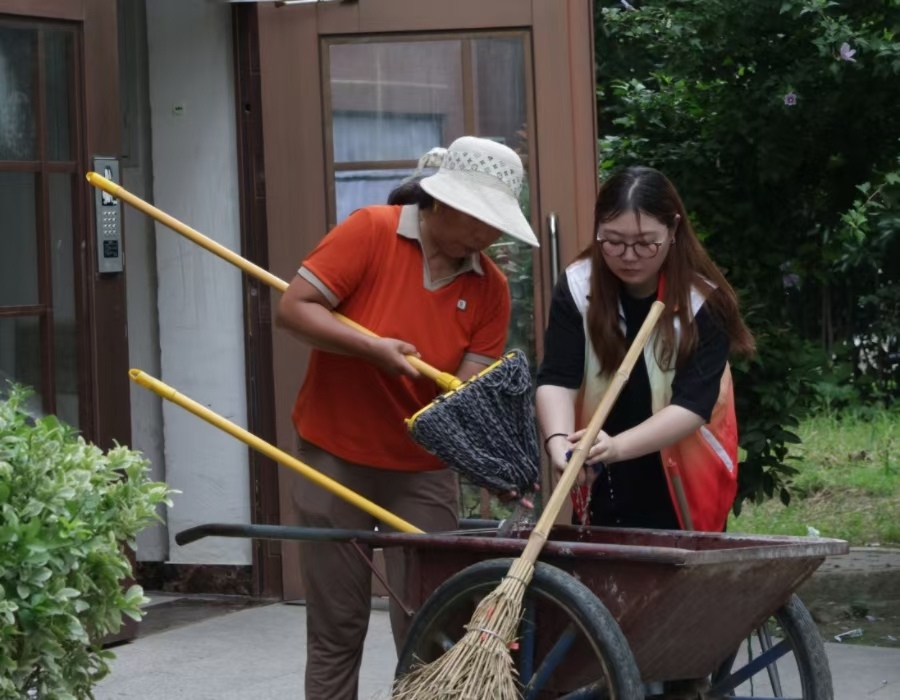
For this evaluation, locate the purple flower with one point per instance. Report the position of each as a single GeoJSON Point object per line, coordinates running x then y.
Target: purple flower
{"type": "Point", "coordinates": [847, 53]}
{"type": "Point", "coordinates": [790, 99]}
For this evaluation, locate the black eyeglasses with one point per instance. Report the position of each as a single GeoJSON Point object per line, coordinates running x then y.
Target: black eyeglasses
{"type": "Point", "coordinates": [616, 249]}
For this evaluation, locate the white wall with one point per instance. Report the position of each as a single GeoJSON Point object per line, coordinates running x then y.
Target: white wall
{"type": "Point", "coordinates": [201, 329]}
{"type": "Point", "coordinates": [140, 260]}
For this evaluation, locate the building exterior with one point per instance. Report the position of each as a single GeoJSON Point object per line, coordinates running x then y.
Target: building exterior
{"type": "Point", "coordinates": [260, 124]}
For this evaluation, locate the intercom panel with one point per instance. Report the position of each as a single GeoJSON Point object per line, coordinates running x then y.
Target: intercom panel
{"type": "Point", "coordinates": [108, 220]}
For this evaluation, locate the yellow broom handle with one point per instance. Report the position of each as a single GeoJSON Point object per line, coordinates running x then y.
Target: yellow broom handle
{"type": "Point", "coordinates": [444, 380]}
{"type": "Point", "coordinates": [579, 454]}
{"type": "Point", "coordinates": [168, 393]}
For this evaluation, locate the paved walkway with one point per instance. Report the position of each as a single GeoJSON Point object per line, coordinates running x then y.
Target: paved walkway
{"type": "Point", "coordinates": [249, 655]}
{"type": "Point", "coordinates": [258, 654]}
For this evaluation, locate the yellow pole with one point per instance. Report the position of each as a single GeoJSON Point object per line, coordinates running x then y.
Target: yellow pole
{"type": "Point", "coordinates": [444, 380]}
{"type": "Point", "coordinates": [168, 393]}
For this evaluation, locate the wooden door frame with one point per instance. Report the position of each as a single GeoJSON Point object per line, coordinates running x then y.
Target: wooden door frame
{"type": "Point", "coordinates": [260, 383]}
{"type": "Point", "coordinates": [295, 195]}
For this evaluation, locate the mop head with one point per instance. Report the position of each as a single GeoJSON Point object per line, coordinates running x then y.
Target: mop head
{"type": "Point", "coordinates": [479, 666]}
{"type": "Point", "coordinates": [486, 429]}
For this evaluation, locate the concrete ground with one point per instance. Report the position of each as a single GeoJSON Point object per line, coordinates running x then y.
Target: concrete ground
{"type": "Point", "coordinates": [253, 654]}
{"type": "Point", "coordinates": [258, 653]}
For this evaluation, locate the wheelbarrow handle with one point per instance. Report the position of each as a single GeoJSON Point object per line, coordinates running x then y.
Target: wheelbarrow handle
{"type": "Point", "coordinates": [320, 534]}
{"type": "Point", "coordinates": [168, 393]}
{"type": "Point", "coordinates": [444, 380]}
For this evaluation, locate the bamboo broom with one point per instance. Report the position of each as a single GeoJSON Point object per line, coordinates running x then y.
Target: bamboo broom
{"type": "Point", "coordinates": [479, 666]}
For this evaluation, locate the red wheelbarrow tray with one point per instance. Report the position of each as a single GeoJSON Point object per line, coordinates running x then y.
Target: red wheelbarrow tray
{"type": "Point", "coordinates": [684, 600]}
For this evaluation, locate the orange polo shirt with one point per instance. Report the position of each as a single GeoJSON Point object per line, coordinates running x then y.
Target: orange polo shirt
{"type": "Point", "coordinates": [372, 268]}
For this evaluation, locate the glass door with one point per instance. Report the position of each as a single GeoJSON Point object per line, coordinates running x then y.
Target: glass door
{"type": "Point", "coordinates": [39, 164]}
{"type": "Point", "coordinates": [388, 101]}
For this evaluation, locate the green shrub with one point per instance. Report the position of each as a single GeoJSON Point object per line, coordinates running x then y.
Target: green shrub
{"type": "Point", "coordinates": [67, 511]}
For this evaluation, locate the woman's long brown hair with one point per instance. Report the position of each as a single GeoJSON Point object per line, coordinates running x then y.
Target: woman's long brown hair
{"type": "Point", "coordinates": [647, 191]}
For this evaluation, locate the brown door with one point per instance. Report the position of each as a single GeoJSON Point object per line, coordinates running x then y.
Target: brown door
{"type": "Point", "coordinates": [62, 325]}
{"type": "Point", "coordinates": [354, 93]}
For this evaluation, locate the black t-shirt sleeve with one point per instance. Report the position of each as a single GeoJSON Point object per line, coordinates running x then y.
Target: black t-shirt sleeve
{"type": "Point", "coordinates": [564, 341]}
{"type": "Point", "coordinates": [696, 384]}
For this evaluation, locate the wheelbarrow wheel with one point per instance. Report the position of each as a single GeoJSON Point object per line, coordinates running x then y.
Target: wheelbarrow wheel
{"type": "Point", "coordinates": [765, 664]}
{"type": "Point", "coordinates": [569, 645]}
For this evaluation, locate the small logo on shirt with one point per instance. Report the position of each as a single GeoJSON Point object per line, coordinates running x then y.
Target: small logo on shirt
{"type": "Point", "coordinates": [461, 305]}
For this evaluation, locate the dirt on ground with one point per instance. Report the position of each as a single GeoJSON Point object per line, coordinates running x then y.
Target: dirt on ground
{"type": "Point", "coordinates": [868, 623]}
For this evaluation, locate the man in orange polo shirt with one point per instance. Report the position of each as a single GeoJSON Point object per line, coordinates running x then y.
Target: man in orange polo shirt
{"type": "Point", "coordinates": [416, 276]}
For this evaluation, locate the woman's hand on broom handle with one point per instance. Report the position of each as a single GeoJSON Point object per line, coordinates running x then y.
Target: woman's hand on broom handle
{"type": "Point", "coordinates": [307, 313]}
{"type": "Point", "coordinates": [559, 448]}
{"type": "Point", "coordinates": [391, 354]}
{"type": "Point", "coordinates": [605, 449]}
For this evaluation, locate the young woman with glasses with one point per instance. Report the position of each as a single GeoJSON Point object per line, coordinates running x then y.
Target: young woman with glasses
{"type": "Point", "coordinates": [667, 457]}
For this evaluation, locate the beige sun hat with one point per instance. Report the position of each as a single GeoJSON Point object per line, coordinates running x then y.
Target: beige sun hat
{"type": "Point", "coordinates": [482, 178]}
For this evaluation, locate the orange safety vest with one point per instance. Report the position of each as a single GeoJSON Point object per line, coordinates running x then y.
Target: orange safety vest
{"type": "Point", "coordinates": [705, 462]}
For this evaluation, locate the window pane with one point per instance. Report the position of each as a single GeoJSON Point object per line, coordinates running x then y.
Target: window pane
{"type": "Point", "coordinates": [18, 240]}
{"type": "Point", "coordinates": [394, 100]}
{"type": "Point", "coordinates": [361, 188]}
{"type": "Point", "coordinates": [500, 99]}
{"type": "Point", "coordinates": [375, 137]}
{"type": "Point", "coordinates": [17, 94]}
{"type": "Point", "coordinates": [20, 354]}
{"type": "Point", "coordinates": [59, 46]}
{"type": "Point", "coordinates": [65, 350]}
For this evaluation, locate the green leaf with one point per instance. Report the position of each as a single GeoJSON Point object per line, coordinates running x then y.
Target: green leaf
{"type": "Point", "coordinates": [135, 614]}
{"type": "Point", "coordinates": [41, 576]}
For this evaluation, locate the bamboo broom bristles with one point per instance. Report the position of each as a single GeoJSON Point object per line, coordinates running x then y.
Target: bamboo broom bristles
{"type": "Point", "coordinates": [479, 666]}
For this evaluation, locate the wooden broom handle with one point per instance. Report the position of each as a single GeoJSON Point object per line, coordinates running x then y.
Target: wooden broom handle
{"type": "Point", "coordinates": [444, 380]}
{"type": "Point", "coordinates": [539, 535]}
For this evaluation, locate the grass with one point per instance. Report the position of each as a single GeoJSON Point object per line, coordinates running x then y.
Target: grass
{"type": "Point", "coordinates": [848, 486]}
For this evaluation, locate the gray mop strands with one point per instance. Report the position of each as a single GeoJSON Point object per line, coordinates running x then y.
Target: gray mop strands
{"type": "Point", "coordinates": [485, 429]}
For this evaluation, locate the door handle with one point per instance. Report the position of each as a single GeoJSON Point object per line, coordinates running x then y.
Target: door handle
{"type": "Point", "coordinates": [553, 230]}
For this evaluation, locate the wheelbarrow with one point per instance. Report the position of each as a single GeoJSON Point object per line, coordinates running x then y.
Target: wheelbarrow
{"type": "Point", "coordinates": [617, 614]}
